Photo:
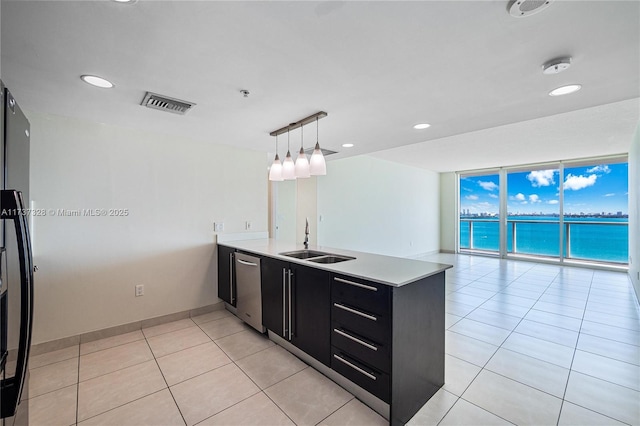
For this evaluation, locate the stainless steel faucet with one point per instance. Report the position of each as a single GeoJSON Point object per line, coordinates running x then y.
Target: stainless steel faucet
{"type": "Point", "coordinates": [306, 234]}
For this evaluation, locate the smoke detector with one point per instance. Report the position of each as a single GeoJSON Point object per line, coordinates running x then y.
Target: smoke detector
{"type": "Point", "coordinates": [165, 103]}
{"type": "Point", "coordinates": [556, 66]}
{"type": "Point", "coordinates": [523, 8]}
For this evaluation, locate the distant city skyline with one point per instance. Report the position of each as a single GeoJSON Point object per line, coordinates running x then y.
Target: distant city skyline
{"type": "Point", "coordinates": [588, 190]}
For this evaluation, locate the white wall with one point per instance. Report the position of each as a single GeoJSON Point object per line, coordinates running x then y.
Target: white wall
{"type": "Point", "coordinates": [174, 190]}
{"type": "Point", "coordinates": [634, 212]}
{"type": "Point", "coordinates": [285, 194]}
{"type": "Point", "coordinates": [307, 208]}
{"type": "Point", "coordinates": [448, 211]}
{"type": "Point", "coordinates": [377, 206]}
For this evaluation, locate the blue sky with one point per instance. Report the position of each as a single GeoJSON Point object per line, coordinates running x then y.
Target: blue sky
{"type": "Point", "coordinates": [588, 189]}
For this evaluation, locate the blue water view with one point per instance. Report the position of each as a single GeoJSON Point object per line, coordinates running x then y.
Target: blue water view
{"type": "Point", "coordinates": [590, 238]}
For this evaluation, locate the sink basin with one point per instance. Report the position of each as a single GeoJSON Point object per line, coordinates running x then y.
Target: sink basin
{"type": "Point", "coordinates": [304, 254]}
{"type": "Point", "coordinates": [317, 256]}
{"type": "Point", "coordinates": [330, 259]}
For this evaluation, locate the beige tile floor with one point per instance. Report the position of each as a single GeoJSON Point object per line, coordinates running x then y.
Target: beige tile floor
{"type": "Point", "coordinates": [526, 344]}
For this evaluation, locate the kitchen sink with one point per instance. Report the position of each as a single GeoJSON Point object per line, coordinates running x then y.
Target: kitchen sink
{"type": "Point", "coordinates": [330, 259]}
{"type": "Point", "coordinates": [317, 256]}
{"type": "Point", "coordinates": [304, 254]}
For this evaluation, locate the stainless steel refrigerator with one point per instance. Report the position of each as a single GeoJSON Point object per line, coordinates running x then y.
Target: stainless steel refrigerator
{"type": "Point", "coordinates": [16, 263]}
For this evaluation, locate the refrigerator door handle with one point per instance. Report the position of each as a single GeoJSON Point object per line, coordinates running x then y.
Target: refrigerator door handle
{"type": "Point", "coordinates": [13, 208]}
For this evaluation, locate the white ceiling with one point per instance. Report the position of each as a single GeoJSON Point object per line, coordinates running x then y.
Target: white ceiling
{"type": "Point", "coordinates": [377, 68]}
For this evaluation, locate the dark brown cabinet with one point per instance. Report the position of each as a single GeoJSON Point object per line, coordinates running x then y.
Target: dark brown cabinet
{"type": "Point", "coordinates": [295, 306]}
{"type": "Point", "coordinates": [275, 296]}
{"type": "Point", "coordinates": [226, 275]}
{"type": "Point", "coordinates": [390, 340]}
{"type": "Point", "coordinates": [361, 333]}
{"type": "Point", "coordinates": [311, 317]}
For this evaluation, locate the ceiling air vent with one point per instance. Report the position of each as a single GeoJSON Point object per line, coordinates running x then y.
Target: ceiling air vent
{"type": "Point", "coordinates": [522, 8]}
{"type": "Point", "coordinates": [165, 103]}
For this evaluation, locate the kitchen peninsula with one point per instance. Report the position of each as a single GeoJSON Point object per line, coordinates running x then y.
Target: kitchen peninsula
{"type": "Point", "coordinates": [374, 324]}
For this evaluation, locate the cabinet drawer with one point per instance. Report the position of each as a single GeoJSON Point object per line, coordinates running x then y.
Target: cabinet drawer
{"type": "Point", "coordinates": [370, 296]}
{"type": "Point", "coordinates": [365, 323]}
{"type": "Point", "coordinates": [370, 379]}
{"type": "Point", "coordinates": [367, 350]}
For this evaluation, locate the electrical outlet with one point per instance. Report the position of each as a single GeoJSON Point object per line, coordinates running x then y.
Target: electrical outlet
{"type": "Point", "coordinates": [247, 225]}
{"type": "Point", "coordinates": [218, 226]}
{"type": "Point", "coordinates": [139, 290]}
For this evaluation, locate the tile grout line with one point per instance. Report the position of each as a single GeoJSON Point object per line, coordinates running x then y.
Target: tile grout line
{"type": "Point", "coordinates": [165, 381]}
{"type": "Point", "coordinates": [122, 405]}
{"type": "Point", "coordinates": [500, 346]}
{"type": "Point", "coordinates": [566, 386]}
{"type": "Point", "coordinates": [482, 367]}
{"type": "Point", "coordinates": [340, 407]}
{"type": "Point", "coordinates": [260, 390]}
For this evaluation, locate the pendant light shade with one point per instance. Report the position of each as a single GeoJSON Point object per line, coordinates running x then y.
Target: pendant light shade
{"type": "Point", "coordinates": [275, 172]}
{"type": "Point", "coordinates": [288, 166]}
{"type": "Point", "coordinates": [317, 165]}
{"type": "Point", "coordinates": [302, 164]}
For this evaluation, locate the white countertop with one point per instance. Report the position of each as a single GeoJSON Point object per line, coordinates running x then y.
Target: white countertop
{"type": "Point", "coordinates": [393, 271]}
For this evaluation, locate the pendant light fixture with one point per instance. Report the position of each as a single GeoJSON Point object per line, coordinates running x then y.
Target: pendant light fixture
{"type": "Point", "coordinates": [288, 166]}
{"type": "Point", "coordinates": [275, 172]}
{"type": "Point", "coordinates": [317, 165]}
{"type": "Point", "coordinates": [302, 164]}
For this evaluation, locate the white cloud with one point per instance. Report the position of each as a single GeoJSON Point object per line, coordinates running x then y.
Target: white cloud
{"type": "Point", "coordinates": [611, 194]}
{"type": "Point", "coordinates": [541, 177]}
{"type": "Point", "coordinates": [488, 186]}
{"type": "Point", "coordinates": [471, 197]}
{"type": "Point", "coordinates": [520, 197]}
{"type": "Point", "coordinates": [493, 196]}
{"type": "Point", "coordinates": [534, 198]}
{"type": "Point", "coordinates": [576, 183]}
{"type": "Point", "coordinates": [552, 202]}
{"type": "Point", "coordinates": [599, 169]}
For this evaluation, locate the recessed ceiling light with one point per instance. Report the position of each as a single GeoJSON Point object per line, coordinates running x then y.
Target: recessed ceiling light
{"type": "Point", "coordinates": [125, 1]}
{"type": "Point", "coordinates": [421, 126]}
{"type": "Point", "coordinates": [565, 90]}
{"type": "Point", "coordinates": [347, 145]}
{"type": "Point", "coordinates": [97, 81]}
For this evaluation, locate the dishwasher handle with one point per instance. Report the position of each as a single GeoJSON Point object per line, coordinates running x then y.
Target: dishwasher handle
{"type": "Point", "coordinates": [244, 262]}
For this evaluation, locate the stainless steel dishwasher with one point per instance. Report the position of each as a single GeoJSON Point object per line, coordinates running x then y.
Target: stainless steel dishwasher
{"type": "Point", "coordinates": [249, 290]}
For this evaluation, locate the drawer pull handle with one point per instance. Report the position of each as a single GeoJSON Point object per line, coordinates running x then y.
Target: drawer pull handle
{"type": "Point", "coordinates": [367, 287]}
{"type": "Point", "coordinates": [353, 311]}
{"type": "Point", "coordinates": [355, 367]}
{"type": "Point", "coordinates": [355, 339]}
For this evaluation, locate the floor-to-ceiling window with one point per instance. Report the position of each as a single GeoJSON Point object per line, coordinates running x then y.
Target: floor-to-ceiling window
{"type": "Point", "coordinates": [479, 212]}
{"type": "Point", "coordinates": [596, 219]}
{"type": "Point", "coordinates": [571, 211]}
{"type": "Point", "coordinates": [533, 212]}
